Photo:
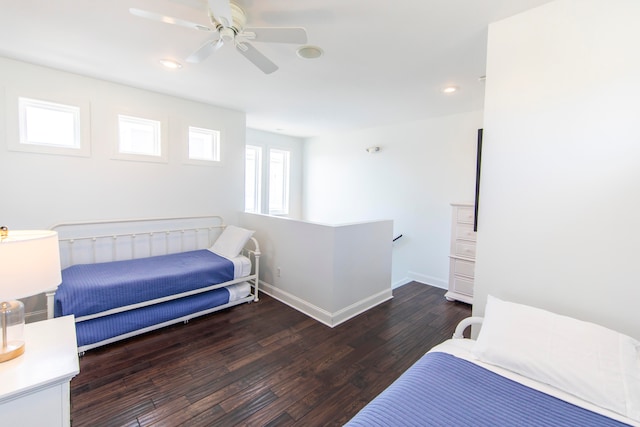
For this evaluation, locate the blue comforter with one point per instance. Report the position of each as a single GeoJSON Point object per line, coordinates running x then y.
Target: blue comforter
{"type": "Point", "coordinates": [93, 288]}
{"type": "Point", "coordinates": [443, 390]}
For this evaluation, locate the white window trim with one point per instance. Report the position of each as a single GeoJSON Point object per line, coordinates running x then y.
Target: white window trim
{"type": "Point", "coordinates": [257, 183]}
{"type": "Point", "coordinates": [147, 115]}
{"type": "Point", "coordinates": [203, 162]}
{"type": "Point", "coordinates": [125, 145]}
{"type": "Point", "coordinates": [287, 184]}
{"type": "Point", "coordinates": [12, 115]}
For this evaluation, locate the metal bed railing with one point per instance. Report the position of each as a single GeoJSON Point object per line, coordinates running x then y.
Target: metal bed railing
{"type": "Point", "coordinates": [121, 239]}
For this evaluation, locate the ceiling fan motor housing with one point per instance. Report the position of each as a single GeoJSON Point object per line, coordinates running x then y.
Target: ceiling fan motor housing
{"type": "Point", "coordinates": [237, 15]}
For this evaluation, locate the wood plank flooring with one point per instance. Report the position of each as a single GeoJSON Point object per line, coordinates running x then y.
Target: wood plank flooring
{"type": "Point", "coordinates": [260, 364]}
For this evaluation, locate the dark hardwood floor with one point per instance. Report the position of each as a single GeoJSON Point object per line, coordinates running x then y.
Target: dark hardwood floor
{"type": "Point", "coordinates": [260, 364]}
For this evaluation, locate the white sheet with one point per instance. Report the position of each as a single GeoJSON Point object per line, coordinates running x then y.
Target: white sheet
{"type": "Point", "coordinates": [241, 266]}
{"type": "Point", "coordinates": [462, 348]}
{"type": "Point", "coordinates": [238, 291]}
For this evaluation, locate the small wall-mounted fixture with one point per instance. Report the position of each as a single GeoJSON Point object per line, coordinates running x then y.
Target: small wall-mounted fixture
{"type": "Point", "coordinates": [372, 150]}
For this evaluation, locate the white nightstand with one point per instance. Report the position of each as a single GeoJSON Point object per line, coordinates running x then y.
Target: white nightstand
{"type": "Point", "coordinates": [34, 388]}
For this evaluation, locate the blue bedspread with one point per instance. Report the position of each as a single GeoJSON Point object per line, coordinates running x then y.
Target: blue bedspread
{"type": "Point", "coordinates": [114, 325]}
{"type": "Point", "coordinates": [93, 288]}
{"type": "Point", "coordinates": [443, 390]}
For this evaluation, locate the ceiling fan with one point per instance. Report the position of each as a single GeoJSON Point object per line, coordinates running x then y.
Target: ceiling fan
{"type": "Point", "coordinates": [227, 21]}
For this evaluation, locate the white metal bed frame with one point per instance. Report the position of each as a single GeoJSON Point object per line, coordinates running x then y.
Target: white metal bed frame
{"type": "Point", "coordinates": [200, 225]}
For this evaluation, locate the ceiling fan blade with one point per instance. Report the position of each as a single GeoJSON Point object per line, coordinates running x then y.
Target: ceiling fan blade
{"type": "Point", "coordinates": [168, 19]}
{"type": "Point", "coordinates": [256, 57]}
{"type": "Point", "coordinates": [293, 35]}
{"type": "Point", "coordinates": [221, 10]}
{"type": "Point", "coordinates": [204, 51]}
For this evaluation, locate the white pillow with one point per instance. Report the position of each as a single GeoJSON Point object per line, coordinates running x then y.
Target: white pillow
{"type": "Point", "coordinates": [231, 241]}
{"type": "Point", "coordinates": [589, 361]}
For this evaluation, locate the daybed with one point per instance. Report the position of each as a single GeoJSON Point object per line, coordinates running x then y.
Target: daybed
{"type": "Point", "coordinates": [528, 367]}
{"type": "Point", "coordinates": [169, 271]}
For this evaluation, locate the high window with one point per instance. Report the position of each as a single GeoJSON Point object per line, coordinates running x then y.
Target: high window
{"type": "Point", "coordinates": [49, 123]}
{"type": "Point", "coordinates": [57, 125]}
{"type": "Point", "coordinates": [204, 144]}
{"type": "Point", "coordinates": [139, 136]}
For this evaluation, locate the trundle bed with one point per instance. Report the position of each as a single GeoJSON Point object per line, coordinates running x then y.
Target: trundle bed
{"type": "Point", "coordinates": [127, 277]}
{"type": "Point", "coordinates": [528, 367]}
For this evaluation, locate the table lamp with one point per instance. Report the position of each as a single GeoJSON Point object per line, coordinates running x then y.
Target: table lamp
{"type": "Point", "coordinates": [29, 265]}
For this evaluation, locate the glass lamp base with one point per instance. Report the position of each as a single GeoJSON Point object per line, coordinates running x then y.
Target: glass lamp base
{"type": "Point", "coordinates": [11, 326]}
{"type": "Point", "coordinates": [13, 350]}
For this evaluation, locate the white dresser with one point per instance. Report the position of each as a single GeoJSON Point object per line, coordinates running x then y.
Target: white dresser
{"type": "Point", "coordinates": [34, 387]}
{"type": "Point", "coordinates": [463, 253]}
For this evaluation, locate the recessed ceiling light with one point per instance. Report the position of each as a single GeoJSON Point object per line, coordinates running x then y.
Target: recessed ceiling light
{"type": "Point", "coordinates": [309, 52]}
{"type": "Point", "coordinates": [170, 63]}
{"type": "Point", "coordinates": [450, 89]}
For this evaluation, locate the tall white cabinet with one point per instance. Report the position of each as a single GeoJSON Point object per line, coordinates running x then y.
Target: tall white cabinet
{"type": "Point", "coordinates": [462, 257]}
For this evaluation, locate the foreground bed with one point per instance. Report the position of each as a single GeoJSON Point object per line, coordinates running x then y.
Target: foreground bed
{"type": "Point", "coordinates": [502, 380]}
{"type": "Point", "coordinates": [135, 282]}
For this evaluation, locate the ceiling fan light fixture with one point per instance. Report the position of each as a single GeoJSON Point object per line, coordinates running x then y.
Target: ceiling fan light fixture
{"type": "Point", "coordinates": [227, 34]}
{"type": "Point", "coordinates": [309, 52]}
{"type": "Point", "coordinates": [170, 63]}
{"type": "Point", "coordinates": [228, 21]}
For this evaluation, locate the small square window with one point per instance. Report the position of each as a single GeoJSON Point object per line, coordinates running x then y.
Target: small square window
{"type": "Point", "coordinates": [139, 136]}
{"type": "Point", "coordinates": [204, 144]}
{"type": "Point", "coordinates": [48, 124]}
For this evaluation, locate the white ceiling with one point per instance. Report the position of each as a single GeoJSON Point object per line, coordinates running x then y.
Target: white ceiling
{"type": "Point", "coordinates": [385, 61]}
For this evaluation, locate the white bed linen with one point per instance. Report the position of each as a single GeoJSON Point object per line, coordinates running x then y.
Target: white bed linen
{"type": "Point", "coordinates": [238, 291]}
{"type": "Point", "coordinates": [241, 266]}
{"type": "Point", "coordinates": [597, 364]}
{"type": "Point", "coordinates": [461, 348]}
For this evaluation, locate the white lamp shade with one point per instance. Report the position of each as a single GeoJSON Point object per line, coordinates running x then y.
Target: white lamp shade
{"type": "Point", "coordinates": [29, 263]}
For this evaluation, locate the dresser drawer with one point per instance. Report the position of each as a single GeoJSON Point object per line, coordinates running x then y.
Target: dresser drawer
{"type": "Point", "coordinates": [463, 285]}
{"type": "Point", "coordinates": [463, 254]}
{"type": "Point", "coordinates": [465, 215]}
{"type": "Point", "coordinates": [465, 232]}
{"type": "Point", "coordinates": [461, 267]}
{"type": "Point", "coordinates": [465, 249]}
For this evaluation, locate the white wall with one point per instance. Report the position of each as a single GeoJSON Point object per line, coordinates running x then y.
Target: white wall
{"type": "Point", "coordinates": [39, 190]}
{"type": "Point", "coordinates": [330, 272]}
{"type": "Point", "coordinates": [422, 167]}
{"type": "Point", "coordinates": [560, 188]}
{"type": "Point", "coordinates": [268, 140]}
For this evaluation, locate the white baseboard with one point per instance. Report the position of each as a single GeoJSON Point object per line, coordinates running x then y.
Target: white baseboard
{"type": "Point", "coordinates": [293, 301]}
{"type": "Point", "coordinates": [401, 283]}
{"type": "Point", "coordinates": [319, 314]}
{"type": "Point", "coordinates": [428, 280]}
{"type": "Point", "coordinates": [353, 310]}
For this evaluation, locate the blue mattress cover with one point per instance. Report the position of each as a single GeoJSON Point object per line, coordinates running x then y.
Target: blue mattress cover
{"type": "Point", "coordinates": [443, 390]}
{"type": "Point", "coordinates": [93, 288]}
{"type": "Point", "coordinates": [102, 328]}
